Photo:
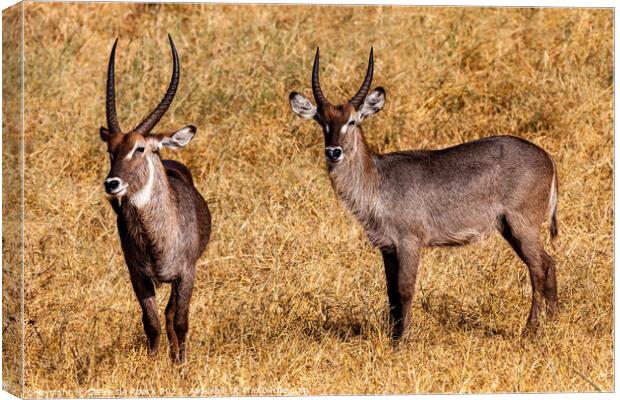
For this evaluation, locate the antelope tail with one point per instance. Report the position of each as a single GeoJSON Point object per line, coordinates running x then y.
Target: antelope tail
{"type": "Point", "coordinates": [553, 205]}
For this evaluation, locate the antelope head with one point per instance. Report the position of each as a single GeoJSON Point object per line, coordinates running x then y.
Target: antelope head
{"type": "Point", "coordinates": [135, 154]}
{"type": "Point", "coordinates": [339, 122]}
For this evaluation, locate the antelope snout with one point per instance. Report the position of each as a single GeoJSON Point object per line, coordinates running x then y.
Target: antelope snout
{"type": "Point", "coordinates": [114, 186]}
{"type": "Point", "coordinates": [334, 154]}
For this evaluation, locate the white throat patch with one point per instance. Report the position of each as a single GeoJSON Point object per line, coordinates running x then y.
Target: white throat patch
{"type": "Point", "coordinates": [143, 196]}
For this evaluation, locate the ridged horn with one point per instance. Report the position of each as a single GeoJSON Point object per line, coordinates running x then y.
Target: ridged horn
{"type": "Point", "coordinates": [110, 98]}
{"type": "Point", "coordinates": [316, 86]}
{"type": "Point", "coordinates": [359, 97]}
{"type": "Point", "coordinates": [149, 122]}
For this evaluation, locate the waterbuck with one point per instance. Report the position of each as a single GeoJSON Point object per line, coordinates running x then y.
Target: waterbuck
{"type": "Point", "coordinates": [163, 222]}
{"type": "Point", "coordinates": [409, 200]}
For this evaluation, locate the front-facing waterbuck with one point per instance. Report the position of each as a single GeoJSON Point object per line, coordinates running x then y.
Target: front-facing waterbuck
{"type": "Point", "coordinates": [163, 222]}
{"type": "Point", "coordinates": [409, 200]}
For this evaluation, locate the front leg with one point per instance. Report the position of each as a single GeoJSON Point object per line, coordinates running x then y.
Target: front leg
{"type": "Point", "coordinates": [390, 263]}
{"type": "Point", "coordinates": [401, 268]}
{"type": "Point", "coordinates": [145, 292]}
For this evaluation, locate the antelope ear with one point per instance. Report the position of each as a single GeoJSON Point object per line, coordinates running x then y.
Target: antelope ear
{"type": "Point", "coordinates": [302, 106]}
{"type": "Point", "coordinates": [104, 133]}
{"type": "Point", "coordinates": [373, 103]}
{"type": "Point", "coordinates": [179, 138]}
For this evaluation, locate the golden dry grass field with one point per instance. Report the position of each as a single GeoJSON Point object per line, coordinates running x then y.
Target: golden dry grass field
{"type": "Point", "coordinates": [290, 297]}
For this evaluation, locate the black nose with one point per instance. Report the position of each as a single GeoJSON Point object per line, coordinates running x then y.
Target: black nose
{"type": "Point", "coordinates": [111, 185]}
{"type": "Point", "coordinates": [333, 153]}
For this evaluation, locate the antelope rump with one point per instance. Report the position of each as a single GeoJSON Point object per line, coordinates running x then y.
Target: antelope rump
{"type": "Point", "coordinates": [409, 200]}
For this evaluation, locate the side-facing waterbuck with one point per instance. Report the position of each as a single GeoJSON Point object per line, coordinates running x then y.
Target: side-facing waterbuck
{"type": "Point", "coordinates": [409, 200]}
{"type": "Point", "coordinates": [163, 222]}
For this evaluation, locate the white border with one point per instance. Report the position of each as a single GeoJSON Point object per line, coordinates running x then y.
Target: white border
{"type": "Point", "coordinates": [488, 3]}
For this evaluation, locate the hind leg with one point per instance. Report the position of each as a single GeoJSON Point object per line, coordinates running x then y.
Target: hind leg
{"type": "Point", "coordinates": [170, 308]}
{"type": "Point", "coordinates": [525, 241]}
{"type": "Point", "coordinates": [551, 290]}
{"type": "Point", "coordinates": [180, 320]}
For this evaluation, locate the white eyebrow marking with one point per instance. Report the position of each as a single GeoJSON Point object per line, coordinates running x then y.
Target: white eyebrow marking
{"type": "Point", "coordinates": [135, 147]}
{"type": "Point", "coordinates": [345, 127]}
{"type": "Point", "coordinates": [130, 154]}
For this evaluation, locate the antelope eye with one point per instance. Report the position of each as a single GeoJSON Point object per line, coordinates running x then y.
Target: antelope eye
{"type": "Point", "coordinates": [140, 149]}
{"type": "Point", "coordinates": [351, 123]}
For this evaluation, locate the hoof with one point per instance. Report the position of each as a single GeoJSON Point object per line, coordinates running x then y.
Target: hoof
{"type": "Point", "coordinates": [398, 339]}
{"type": "Point", "coordinates": [178, 358]}
{"type": "Point", "coordinates": [153, 348]}
{"type": "Point", "coordinates": [552, 311]}
{"type": "Point", "coordinates": [529, 331]}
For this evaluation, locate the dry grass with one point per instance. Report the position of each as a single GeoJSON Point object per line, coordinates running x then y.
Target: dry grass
{"type": "Point", "coordinates": [11, 200]}
{"type": "Point", "coordinates": [289, 294]}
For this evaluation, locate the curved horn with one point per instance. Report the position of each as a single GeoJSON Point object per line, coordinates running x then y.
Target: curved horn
{"type": "Point", "coordinates": [110, 98]}
{"type": "Point", "coordinates": [316, 86]}
{"type": "Point", "coordinates": [152, 120]}
{"type": "Point", "coordinates": [359, 97]}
